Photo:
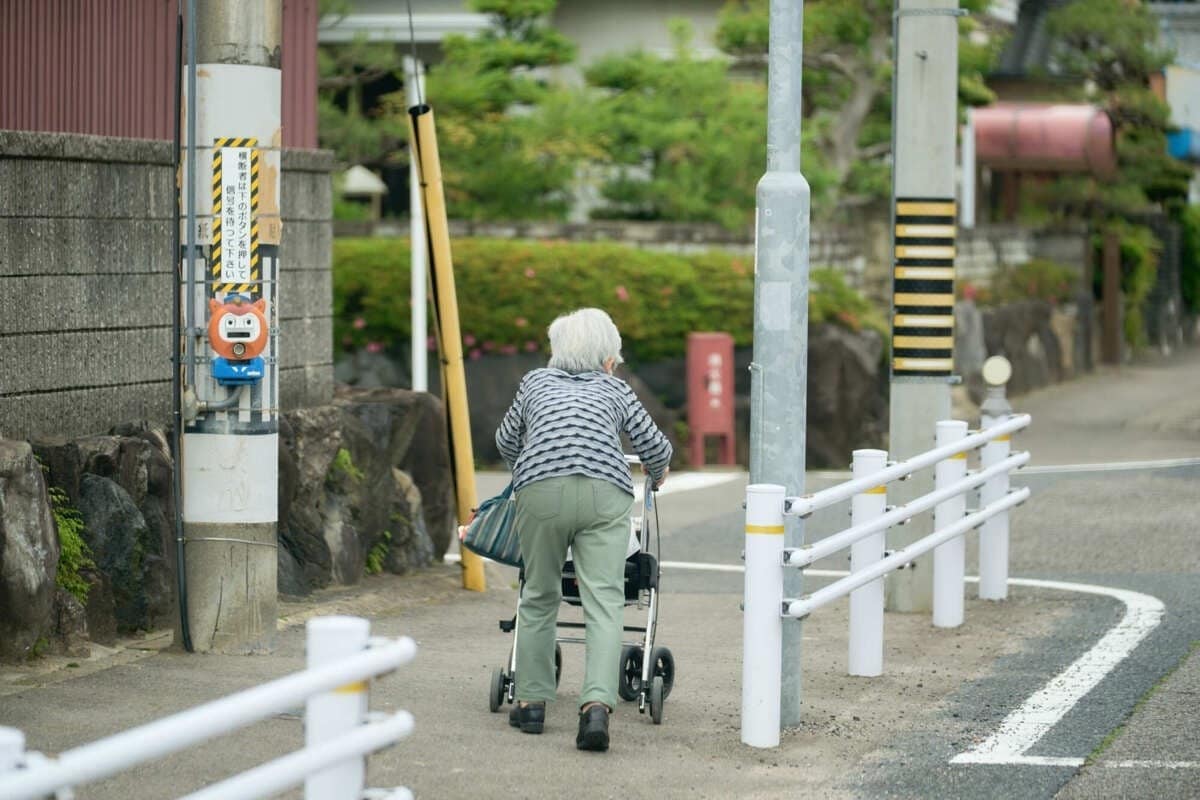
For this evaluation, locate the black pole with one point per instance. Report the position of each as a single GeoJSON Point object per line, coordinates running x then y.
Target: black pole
{"type": "Point", "coordinates": [176, 363]}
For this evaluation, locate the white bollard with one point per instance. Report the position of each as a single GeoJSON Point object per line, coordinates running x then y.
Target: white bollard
{"type": "Point", "coordinates": [762, 615]}
{"type": "Point", "coordinates": [949, 559]}
{"type": "Point", "coordinates": [866, 602]}
{"type": "Point", "coordinates": [993, 534]}
{"type": "Point", "coordinates": [330, 715]}
{"type": "Point", "coordinates": [12, 749]}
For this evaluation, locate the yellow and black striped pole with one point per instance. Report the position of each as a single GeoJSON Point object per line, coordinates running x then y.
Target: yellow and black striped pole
{"type": "Point", "coordinates": [923, 288]}
{"type": "Point", "coordinates": [924, 187]}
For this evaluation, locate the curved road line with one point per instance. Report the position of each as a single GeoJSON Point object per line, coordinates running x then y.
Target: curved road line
{"type": "Point", "coordinates": [1024, 727]}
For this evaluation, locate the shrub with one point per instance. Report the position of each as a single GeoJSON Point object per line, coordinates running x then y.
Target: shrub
{"type": "Point", "coordinates": [1189, 257]}
{"type": "Point", "coordinates": [1038, 279]}
{"type": "Point", "coordinates": [377, 555]}
{"type": "Point", "coordinates": [510, 291]}
{"type": "Point", "coordinates": [1139, 271]}
{"type": "Point", "coordinates": [342, 469]}
{"type": "Point", "coordinates": [74, 554]}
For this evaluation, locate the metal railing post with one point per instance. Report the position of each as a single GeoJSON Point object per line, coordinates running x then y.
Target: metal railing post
{"type": "Point", "coordinates": [330, 715]}
{"type": "Point", "coordinates": [993, 534]}
{"type": "Point", "coordinates": [762, 616]}
{"type": "Point", "coordinates": [866, 602]}
{"type": "Point", "coordinates": [949, 559]}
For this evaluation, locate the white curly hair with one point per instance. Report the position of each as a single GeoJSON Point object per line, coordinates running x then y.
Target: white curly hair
{"type": "Point", "coordinates": [583, 340]}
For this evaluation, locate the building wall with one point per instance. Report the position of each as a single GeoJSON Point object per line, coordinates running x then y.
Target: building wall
{"type": "Point", "coordinates": [617, 26]}
{"type": "Point", "coordinates": [86, 275]}
{"type": "Point", "coordinates": [107, 68]}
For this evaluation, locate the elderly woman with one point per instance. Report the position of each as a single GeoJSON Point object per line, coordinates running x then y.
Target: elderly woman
{"type": "Point", "coordinates": [562, 441]}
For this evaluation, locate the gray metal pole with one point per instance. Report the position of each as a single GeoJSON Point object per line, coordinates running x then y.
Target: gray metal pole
{"type": "Point", "coordinates": [924, 125]}
{"type": "Point", "coordinates": [780, 367]}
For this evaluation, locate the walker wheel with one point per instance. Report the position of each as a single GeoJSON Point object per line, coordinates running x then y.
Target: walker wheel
{"type": "Point", "coordinates": [664, 665]}
{"type": "Point", "coordinates": [656, 699]}
{"type": "Point", "coordinates": [496, 694]}
{"type": "Point", "coordinates": [557, 664]}
{"type": "Point", "coordinates": [629, 680]}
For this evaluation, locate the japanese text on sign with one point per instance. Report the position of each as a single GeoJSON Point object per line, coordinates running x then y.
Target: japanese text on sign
{"type": "Point", "coordinates": [235, 214]}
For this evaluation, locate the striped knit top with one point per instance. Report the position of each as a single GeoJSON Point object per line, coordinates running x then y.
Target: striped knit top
{"type": "Point", "coordinates": [562, 423]}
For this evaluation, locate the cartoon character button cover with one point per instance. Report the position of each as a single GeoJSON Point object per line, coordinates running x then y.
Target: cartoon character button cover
{"type": "Point", "coordinates": [238, 328]}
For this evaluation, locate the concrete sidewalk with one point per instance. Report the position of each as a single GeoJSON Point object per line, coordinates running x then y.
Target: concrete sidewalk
{"type": "Point", "coordinates": [461, 750]}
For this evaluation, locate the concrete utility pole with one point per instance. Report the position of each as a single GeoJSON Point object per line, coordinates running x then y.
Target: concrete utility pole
{"type": "Point", "coordinates": [230, 455]}
{"type": "Point", "coordinates": [924, 124]}
{"type": "Point", "coordinates": [778, 374]}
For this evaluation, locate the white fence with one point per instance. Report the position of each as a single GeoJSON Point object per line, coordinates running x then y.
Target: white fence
{"type": "Point", "coordinates": [339, 730]}
{"type": "Point", "coordinates": [870, 517]}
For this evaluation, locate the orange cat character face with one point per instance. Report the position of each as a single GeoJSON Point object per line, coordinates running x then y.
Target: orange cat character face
{"type": "Point", "coordinates": [237, 329]}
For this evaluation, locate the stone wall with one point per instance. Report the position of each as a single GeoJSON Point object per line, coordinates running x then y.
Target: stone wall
{"type": "Point", "coordinates": [86, 275]}
{"type": "Point", "coordinates": [364, 487]}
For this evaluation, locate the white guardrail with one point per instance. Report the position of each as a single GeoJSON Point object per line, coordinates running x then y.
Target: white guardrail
{"type": "Point", "coordinates": [870, 517]}
{"type": "Point", "coordinates": [339, 731]}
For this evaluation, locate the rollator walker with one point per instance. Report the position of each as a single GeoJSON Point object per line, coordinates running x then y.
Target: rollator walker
{"type": "Point", "coordinates": [646, 680]}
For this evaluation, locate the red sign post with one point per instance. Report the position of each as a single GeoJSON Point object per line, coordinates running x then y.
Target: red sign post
{"type": "Point", "coordinates": [710, 394]}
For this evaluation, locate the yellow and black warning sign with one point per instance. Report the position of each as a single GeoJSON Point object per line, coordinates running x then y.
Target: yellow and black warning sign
{"type": "Point", "coordinates": [235, 261]}
{"type": "Point", "coordinates": [923, 288]}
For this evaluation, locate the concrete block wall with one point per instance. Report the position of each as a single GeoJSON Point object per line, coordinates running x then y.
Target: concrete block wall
{"type": "Point", "coordinates": [86, 275]}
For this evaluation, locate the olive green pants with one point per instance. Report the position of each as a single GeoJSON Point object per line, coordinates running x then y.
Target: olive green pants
{"type": "Point", "coordinates": [590, 516]}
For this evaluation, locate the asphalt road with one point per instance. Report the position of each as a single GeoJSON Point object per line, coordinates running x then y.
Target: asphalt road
{"type": "Point", "coordinates": [944, 692]}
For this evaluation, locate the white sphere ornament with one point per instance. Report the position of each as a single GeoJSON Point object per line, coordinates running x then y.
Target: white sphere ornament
{"type": "Point", "coordinates": [997, 370]}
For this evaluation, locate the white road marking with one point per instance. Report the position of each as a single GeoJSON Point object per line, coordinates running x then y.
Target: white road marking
{"type": "Point", "coordinates": [1112, 466]}
{"type": "Point", "coordinates": [1024, 727]}
{"type": "Point", "coordinates": [1153, 764]}
{"type": "Point", "coordinates": [689, 482]}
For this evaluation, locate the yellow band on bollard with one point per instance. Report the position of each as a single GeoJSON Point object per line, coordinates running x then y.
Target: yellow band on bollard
{"type": "Point", "coordinates": [959, 457]}
{"type": "Point", "coordinates": [877, 490]}
{"type": "Point", "coordinates": [352, 688]}
{"type": "Point", "coordinates": [773, 529]}
{"type": "Point", "coordinates": [1004, 438]}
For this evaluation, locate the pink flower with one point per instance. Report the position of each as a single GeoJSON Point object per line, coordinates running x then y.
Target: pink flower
{"type": "Point", "coordinates": [374, 347]}
{"type": "Point", "coordinates": [509, 350]}
{"type": "Point", "coordinates": [622, 294]}
{"type": "Point", "coordinates": [431, 343]}
{"type": "Point", "coordinates": [359, 323]}
{"type": "Point", "coordinates": [476, 354]}
{"type": "Point", "coordinates": [520, 322]}
{"type": "Point", "coordinates": [531, 346]}
{"type": "Point", "coordinates": [488, 345]}
{"type": "Point", "coordinates": [529, 272]}
{"type": "Point", "coordinates": [468, 340]}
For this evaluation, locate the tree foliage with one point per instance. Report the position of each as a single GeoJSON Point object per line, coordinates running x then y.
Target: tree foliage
{"type": "Point", "coordinates": [1112, 44]}
{"type": "Point", "coordinates": [847, 86]}
{"type": "Point", "coordinates": [345, 71]}
{"type": "Point", "coordinates": [684, 142]}
{"type": "Point", "coordinates": [505, 130]}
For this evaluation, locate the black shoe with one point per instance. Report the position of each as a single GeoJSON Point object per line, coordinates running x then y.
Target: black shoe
{"type": "Point", "coordinates": [593, 729]}
{"type": "Point", "coordinates": [529, 717]}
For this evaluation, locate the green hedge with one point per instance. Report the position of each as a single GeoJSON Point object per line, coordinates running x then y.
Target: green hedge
{"type": "Point", "coordinates": [510, 291]}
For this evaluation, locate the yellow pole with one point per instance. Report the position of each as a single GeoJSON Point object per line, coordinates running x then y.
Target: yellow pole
{"type": "Point", "coordinates": [423, 141]}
